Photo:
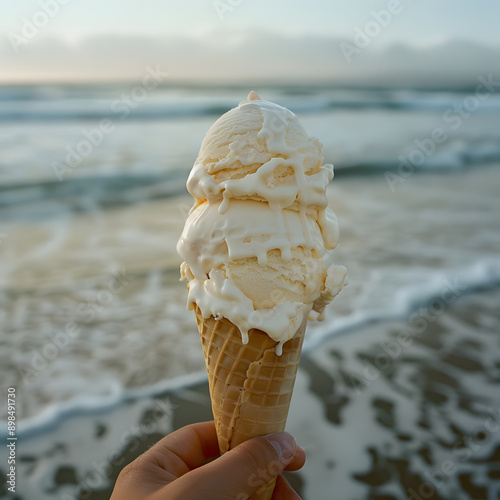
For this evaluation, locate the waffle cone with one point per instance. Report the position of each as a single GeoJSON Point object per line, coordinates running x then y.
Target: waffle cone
{"type": "Point", "coordinates": [250, 386]}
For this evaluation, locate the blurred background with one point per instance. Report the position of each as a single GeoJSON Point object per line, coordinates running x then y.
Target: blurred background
{"type": "Point", "coordinates": [103, 107]}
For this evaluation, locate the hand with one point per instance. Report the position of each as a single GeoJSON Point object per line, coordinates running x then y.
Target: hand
{"type": "Point", "coordinates": [178, 467]}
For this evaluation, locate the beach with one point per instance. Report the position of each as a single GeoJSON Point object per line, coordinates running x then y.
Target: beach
{"type": "Point", "coordinates": [396, 389]}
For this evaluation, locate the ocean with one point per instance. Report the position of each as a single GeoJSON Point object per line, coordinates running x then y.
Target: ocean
{"type": "Point", "coordinates": [93, 200]}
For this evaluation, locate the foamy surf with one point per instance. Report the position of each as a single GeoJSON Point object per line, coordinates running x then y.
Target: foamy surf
{"type": "Point", "coordinates": [458, 283]}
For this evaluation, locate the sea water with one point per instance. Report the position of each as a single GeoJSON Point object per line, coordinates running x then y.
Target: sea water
{"type": "Point", "coordinates": [93, 200]}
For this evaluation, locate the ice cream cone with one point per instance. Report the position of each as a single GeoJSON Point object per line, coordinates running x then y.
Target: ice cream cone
{"type": "Point", "coordinates": [250, 386]}
{"type": "Point", "coordinates": [256, 252]}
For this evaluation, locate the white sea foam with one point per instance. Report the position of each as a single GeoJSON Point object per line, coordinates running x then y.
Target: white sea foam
{"type": "Point", "coordinates": [479, 276]}
{"type": "Point", "coordinates": [115, 394]}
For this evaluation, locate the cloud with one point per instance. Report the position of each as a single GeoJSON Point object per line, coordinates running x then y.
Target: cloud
{"type": "Point", "coordinates": [230, 57]}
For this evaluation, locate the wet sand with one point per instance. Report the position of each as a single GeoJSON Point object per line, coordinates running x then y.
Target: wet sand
{"type": "Point", "coordinates": [395, 410]}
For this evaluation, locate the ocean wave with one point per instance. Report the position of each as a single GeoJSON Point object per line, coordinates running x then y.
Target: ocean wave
{"type": "Point", "coordinates": [446, 160]}
{"type": "Point", "coordinates": [99, 111]}
{"type": "Point", "coordinates": [87, 193]}
{"type": "Point", "coordinates": [480, 276]}
{"type": "Point", "coordinates": [44, 106]}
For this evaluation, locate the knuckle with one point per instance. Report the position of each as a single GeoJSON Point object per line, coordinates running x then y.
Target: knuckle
{"type": "Point", "coordinates": [130, 472]}
{"type": "Point", "coordinates": [124, 476]}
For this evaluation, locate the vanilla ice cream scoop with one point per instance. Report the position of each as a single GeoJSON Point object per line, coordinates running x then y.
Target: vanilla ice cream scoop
{"type": "Point", "coordinates": [257, 243]}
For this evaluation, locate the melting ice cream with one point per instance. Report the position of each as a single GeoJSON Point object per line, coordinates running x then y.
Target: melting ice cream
{"type": "Point", "coordinates": [258, 241]}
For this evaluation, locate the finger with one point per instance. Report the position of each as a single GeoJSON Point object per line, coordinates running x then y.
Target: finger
{"type": "Point", "coordinates": [242, 471]}
{"type": "Point", "coordinates": [185, 449]}
{"type": "Point", "coordinates": [298, 460]}
{"type": "Point", "coordinates": [283, 490]}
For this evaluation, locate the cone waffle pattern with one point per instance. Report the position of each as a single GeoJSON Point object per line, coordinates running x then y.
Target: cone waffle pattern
{"type": "Point", "coordinates": [250, 386]}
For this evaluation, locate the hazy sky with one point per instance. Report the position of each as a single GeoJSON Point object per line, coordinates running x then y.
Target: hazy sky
{"type": "Point", "coordinates": [207, 39]}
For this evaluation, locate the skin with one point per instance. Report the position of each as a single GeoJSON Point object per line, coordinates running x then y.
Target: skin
{"type": "Point", "coordinates": [187, 465]}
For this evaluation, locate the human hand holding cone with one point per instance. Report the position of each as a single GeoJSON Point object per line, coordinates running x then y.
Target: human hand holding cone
{"type": "Point", "coordinates": [255, 250]}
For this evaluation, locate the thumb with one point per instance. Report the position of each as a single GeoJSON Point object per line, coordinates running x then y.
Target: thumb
{"type": "Point", "coordinates": [243, 470]}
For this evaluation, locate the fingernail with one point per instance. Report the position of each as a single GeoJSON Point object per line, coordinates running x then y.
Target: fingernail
{"type": "Point", "coordinates": [284, 444]}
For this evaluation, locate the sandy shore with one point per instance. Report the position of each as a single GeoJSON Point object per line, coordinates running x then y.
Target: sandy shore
{"type": "Point", "coordinates": [396, 410]}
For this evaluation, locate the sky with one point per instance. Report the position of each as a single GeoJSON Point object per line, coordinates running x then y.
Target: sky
{"type": "Point", "coordinates": [238, 40]}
